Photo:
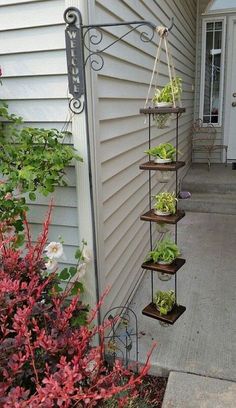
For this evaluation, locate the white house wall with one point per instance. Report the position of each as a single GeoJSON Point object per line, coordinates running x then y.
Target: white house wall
{"type": "Point", "coordinates": [120, 135]}
{"type": "Point", "coordinates": [32, 56]}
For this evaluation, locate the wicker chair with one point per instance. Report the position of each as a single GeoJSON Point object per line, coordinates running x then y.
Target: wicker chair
{"type": "Point", "coordinates": [203, 140]}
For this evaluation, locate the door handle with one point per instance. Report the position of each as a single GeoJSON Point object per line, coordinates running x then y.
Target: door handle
{"type": "Point", "coordinates": [234, 104]}
{"type": "Point", "coordinates": [234, 95]}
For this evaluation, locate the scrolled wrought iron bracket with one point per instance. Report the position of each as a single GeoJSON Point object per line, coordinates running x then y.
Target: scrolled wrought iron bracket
{"type": "Point", "coordinates": [80, 37]}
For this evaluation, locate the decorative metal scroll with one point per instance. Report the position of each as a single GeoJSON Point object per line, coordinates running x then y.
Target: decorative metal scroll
{"type": "Point", "coordinates": [93, 36]}
{"type": "Point", "coordinates": [122, 341]}
{"type": "Point", "coordinates": [80, 37]}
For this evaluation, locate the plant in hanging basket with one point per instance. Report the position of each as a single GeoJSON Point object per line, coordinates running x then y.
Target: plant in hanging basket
{"type": "Point", "coordinates": [166, 98]}
{"type": "Point", "coordinates": [165, 203]}
{"type": "Point", "coordinates": [165, 252]}
{"type": "Point", "coordinates": [164, 301]}
{"type": "Point", "coordinates": [163, 153]}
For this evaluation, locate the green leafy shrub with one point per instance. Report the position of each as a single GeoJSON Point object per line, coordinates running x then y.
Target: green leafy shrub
{"type": "Point", "coordinates": [163, 151]}
{"type": "Point", "coordinates": [164, 301]}
{"type": "Point", "coordinates": [165, 202]}
{"type": "Point", "coordinates": [165, 251]}
{"type": "Point", "coordinates": [166, 93]}
{"type": "Point", "coordinates": [32, 160]}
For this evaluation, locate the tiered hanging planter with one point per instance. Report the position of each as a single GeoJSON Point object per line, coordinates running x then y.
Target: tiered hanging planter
{"type": "Point", "coordinates": [153, 113]}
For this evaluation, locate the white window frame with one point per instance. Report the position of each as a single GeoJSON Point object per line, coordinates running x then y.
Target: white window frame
{"type": "Point", "coordinates": [206, 20]}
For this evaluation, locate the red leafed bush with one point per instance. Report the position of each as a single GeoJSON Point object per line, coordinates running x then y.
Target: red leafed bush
{"type": "Point", "coordinates": [45, 360]}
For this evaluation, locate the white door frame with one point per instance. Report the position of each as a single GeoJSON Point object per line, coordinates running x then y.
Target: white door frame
{"type": "Point", "coordinates": [228, 79]}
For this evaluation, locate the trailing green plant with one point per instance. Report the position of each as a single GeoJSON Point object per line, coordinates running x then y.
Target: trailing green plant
{"type": "Point", "coordinates": [166, 251]}
{"type": "Point", "coordinates": [165, 94]}
{"type": "Point", "coordinates": [165, 202]}
{"type": "Point", "coordinates": [32, 160]}
{"type": "Point", "coordinates": [163, 151]}
{"type": "Point", "coordinates": [164, 301]}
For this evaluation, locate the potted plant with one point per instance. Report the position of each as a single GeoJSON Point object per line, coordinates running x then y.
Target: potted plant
{"type": "Point", "coordinates": [165, 98]}
{"type": "Point", "coordinates": [165, 252]}
{"type": "Point", "coordinates": [163, 153]}
{"type": "Point", "coordinates": [165, 203]}
{"type": "Point", "coordinates": [164, 301]}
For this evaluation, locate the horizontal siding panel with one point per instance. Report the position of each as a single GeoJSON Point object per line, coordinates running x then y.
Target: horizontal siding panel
{"type": "Point", "coordinates": [30, 15]}
{"type": "Point", "coordinates": [49, 87]}
{"type": "Point", "coordinates": [59, 198]}
{"type": "Point", "coordinates": [32, 40]}
{"type": "Point", "coordinates": [62, 216]}
{"type": "Point", "coordinates": [16, 2]}
{"type": "Point", "coordinates": [35, 64]}
{"type": "Point", "coordinates": [67, 234]}
{"type": "Point", "coordinates": [41, 110]}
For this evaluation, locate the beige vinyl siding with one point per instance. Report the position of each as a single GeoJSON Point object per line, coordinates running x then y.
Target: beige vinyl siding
{"type": "Point", "coordinates": [35, 85]}
{"type": "Point", "coordinates": [121, 136]}
{"type": "Point", "coordinates": [199, 157]}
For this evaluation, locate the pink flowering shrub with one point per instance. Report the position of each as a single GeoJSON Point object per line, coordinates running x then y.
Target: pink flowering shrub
{"type": "Point", "coordinates": [46, 359]}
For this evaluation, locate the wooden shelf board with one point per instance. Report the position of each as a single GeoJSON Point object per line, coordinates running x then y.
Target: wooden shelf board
{"type": "Point", "coordinates": [150, 165]}
{"type": "Point", "coordinates": [161, 110]}
{"type": "Point", "coordinates": [168, 219]}
{"type": "Point", "coordinates": [151, 311]}
{"type": "Point", "coordinates": [170, 269]}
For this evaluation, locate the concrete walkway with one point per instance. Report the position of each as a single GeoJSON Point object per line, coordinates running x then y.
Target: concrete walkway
{"type": "Point", "coordinates": [191, 391]}
{"type": "Point", "coordinates": [203, 340]}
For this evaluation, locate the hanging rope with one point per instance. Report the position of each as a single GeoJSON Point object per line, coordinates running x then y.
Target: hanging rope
{"type": "Point", "coordinates": [163, 33]}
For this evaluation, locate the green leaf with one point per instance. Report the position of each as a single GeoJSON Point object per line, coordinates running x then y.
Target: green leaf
{"type": "Point", "coordinates": [80, 320]}
{"type": "Point", "coordinates": [20, 240]}
{"type": "Point", "coordinates": [72, 271]}
{"type": "Point", "coordinates": [57, 288]}
{"type": "Point", "coordinates": [32, 196]}
{"type": "Point", "coordinates": [78, 254]}
{"type": "Point", "coordinates": [64, 274]}
{"type": "Point", "coordinates": [78, 287]}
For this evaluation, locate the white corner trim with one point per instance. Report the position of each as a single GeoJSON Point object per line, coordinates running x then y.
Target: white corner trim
{"type": "Point", "coordinates": [84, 199]}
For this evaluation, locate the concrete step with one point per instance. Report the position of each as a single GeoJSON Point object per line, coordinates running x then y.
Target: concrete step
{"type": "Point", "coordinates": [212, 203]}
{"type": "Point", "coordinates": [208, 187]}
{"type": "Point", "coordinates": [193, 391]}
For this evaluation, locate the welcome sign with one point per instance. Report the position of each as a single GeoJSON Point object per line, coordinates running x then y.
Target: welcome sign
{"type": "Point", "coordinates": [74, 54]}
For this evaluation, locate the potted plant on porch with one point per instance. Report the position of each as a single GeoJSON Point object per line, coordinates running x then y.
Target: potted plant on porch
{"type": "Point", "coordinates": [164, 301]}
{"type": "Point", "coordinates": [163, 153]}
{"type": "Point", "coordinates": [165, 203]}
{"type": "Point", "coordinates": [166, 98]}
{"type": "Point", "coordinates": [165, 252]}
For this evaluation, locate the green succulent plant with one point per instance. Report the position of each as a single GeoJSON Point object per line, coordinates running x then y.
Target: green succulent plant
{"type": "Point", "coordinates": [164, 301]}
{"type": "Point", "coordinates": [165, 94]}
{"type": "Point", "coordinates": [166, 251]}
{"type": "Point", "coordinates": [165, 202]}
{"type": "Point", "coordinates": [163, 151]}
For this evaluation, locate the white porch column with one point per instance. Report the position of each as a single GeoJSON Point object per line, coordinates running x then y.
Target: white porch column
{"type": "Point", "coordinates": [84, 188]}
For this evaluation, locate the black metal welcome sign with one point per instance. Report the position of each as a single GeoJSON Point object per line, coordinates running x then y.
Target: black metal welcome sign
{"type": "Point", "coordinates": [75, 60]}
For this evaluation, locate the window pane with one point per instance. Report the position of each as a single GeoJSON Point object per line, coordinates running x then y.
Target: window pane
{"type": "Point", "coordinates": [212, 78]}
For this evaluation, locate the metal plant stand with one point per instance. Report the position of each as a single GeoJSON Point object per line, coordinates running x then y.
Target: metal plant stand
{"type": "Point", "coordinates": [122, 341]}
{"type": "Point", "coordinates": [151, 310]}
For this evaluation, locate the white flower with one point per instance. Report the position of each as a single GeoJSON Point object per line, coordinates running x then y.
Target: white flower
{"type": "Point", "coordinates": [51, 264]}
{"type": "Point", "coordinates": [87, 255]}
{"type": "Point", "coordinates": [81, 270]}
{"type": "Point", "coordinates": [54, 250]}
